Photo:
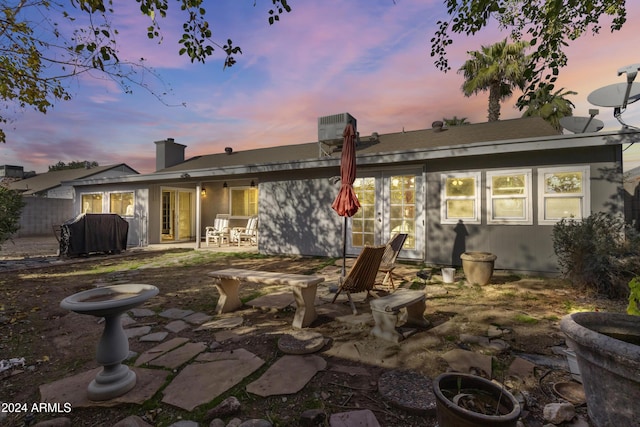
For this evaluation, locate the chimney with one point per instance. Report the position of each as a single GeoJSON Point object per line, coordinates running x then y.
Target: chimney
{"type": "Point", "coordinates": [168, 153]}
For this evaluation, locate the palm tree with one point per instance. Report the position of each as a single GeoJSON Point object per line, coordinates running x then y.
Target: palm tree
{"type": "Point", "coordinates": [455, 121]}
{"type": "Point", "coordinates": [550, 106]}
{"type": "Point", "coordinates": [498, 68]}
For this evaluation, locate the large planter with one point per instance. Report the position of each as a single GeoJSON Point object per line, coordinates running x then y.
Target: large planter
{"type": "Point", "coordinates": [478, 267]}
{"type": "Point", "coordinates": [450, 414]}
{"type": "Point", "coordinates": [607, 348]}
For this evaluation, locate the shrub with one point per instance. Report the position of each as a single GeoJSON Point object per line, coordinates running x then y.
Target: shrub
{"type": "Point", "coordinates": [10, 208]}
{"type": "Point", "coordinates": [600, 253]}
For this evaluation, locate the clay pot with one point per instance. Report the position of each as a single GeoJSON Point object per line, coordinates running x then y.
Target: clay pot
{"type": "Point", "coordinates": [478, 267]}
{"type": "Point", "coordinates": [607, 348]}
{"type": "Point", "coordinates": [450, 414]}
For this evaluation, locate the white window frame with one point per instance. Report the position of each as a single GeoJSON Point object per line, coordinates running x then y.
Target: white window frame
{"type": "Point", "coordinates": [444, 218]}
{"type": "Point", "coordinates": [584, 195]}
{"type": "Point", "coordinates": [243, 189]}
{"type": "Point", "coordinates": [526, 197]}
{"type": "Point", "coordinates": [133, 199]}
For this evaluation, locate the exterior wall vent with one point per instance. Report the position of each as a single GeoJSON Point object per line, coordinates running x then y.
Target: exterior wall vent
{"type": "Point", "coordinates": [330, 129]}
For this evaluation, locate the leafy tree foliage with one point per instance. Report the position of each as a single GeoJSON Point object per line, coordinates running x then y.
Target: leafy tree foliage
{"type": "Point", "coordinates": [547, 25]}
{"type": "Point", "coordinates": [550, 106]}
{"type": "Point", "coordinates": [38, 56]}
{"type": "Point", "coordinates": [455, 121]}
{"type": "Point", "coordinates": [498, 68]}
{"type": "Point", "coordinates": [11, 204]}
{"type": "Point", "coordinates": [73, 165]}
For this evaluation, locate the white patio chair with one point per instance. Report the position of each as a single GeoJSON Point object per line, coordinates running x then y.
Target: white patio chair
{"type": "Point", "coordinates": [219, 231]}
{"type": "Point", "coordinates": [248, 233]}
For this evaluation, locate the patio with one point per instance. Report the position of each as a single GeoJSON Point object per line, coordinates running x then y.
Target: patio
{"type": "Point", "coordinates": [508, 328]}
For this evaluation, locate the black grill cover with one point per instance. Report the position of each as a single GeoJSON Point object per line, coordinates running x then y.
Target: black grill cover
{"type": "Point", "coordinates": [90, 233]}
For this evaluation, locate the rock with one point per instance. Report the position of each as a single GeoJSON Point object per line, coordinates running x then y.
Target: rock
{"type": "Point", "coordinates": [56, 422]}
{"type": "Point", "coordinates": [256, 423]}
{"type": "Point", "coordinates": [132, 421]}
{"type": "Point", "coordinates": [185, 423]}
{"type": "Point", "coordinates": [227, 407]}
{"type": "Point", "coordinates": [558, 413]}
{"type": "Point", "coordinates": [217, 423]}
{"type": "Point", "coordinates": [234, 422]}
{"type": "Point", "coordinates": [313, 418]}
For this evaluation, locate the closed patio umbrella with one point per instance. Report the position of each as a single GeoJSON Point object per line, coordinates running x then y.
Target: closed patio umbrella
{"type": "Point", "coordinates": [346, 203]}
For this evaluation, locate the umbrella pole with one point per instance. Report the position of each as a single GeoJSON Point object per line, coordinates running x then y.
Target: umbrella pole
{"type": "Point", "coordinates": [344, 247]}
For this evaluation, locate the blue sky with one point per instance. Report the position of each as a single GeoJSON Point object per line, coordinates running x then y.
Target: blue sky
{"type": "Point", "coordinates": [366, 57]}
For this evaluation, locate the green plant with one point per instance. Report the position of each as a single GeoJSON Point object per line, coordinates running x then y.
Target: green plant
{"type": "Point", "coordinates": [634, 297]}
{"type": "Point", "coordinates": [599, 252]}
{"type": "Point", "coordinates": [11, 204]}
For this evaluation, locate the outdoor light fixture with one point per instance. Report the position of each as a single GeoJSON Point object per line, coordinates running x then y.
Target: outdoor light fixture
{"type": "Point", "coordinates": [203, 193]}
{"type": "Point", "coordinates": [253, 184]}
{"type": "Point", "coordinates": [224, 185]}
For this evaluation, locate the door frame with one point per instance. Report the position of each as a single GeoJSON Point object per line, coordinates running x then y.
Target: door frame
{"type": "Point", "coordinates": [175, 209]}
{"type": "Point", "coordinates": [382, 232]}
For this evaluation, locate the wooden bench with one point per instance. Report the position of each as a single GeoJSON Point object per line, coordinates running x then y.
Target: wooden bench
{"type": "Point", "coordinates": [385, 311]}
{"type": "Point", "coordinates": [303, 287]}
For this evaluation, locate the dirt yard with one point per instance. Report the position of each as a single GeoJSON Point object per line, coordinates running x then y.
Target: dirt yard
{"type": "Point", "coordinates": [56, 345]}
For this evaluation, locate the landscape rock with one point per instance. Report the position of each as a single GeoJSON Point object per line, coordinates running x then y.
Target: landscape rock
{"type": "Point", "coordinates": [56, 422]}
{"type": "Point", "coordinates": [313, 418]}
{"type": "Point", "coordinates": [217, 423]}
{"type": "Point", "coordinates": [227, 407]}
{"type": "Point", "coordinates": [256, 423]}
{"type": "Point", "coordinates": [132, 421]}
{"type": "Point", "coordinates": [557, 413]}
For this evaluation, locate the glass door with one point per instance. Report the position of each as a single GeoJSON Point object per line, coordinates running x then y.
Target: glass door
{"type": "Point", "coordinates": [390, 203]}
{"type": "Point", "coordinates": [177, 215]}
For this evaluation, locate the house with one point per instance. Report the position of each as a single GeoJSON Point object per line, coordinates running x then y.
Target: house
{"type": "Point", "coordinates": [49, 201]}
{"type": "Point", "coordinates": [497, 187]}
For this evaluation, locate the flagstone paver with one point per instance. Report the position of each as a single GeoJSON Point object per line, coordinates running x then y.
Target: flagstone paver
{"type": "Point", "coordinates": [463, 360]}
{"type": "Point", "coordinates": [224, 323]}
{"type": "Point", "coordinates": [198, 318]}
{"type": "Point", "coordinates": [301, 342]}
{"type": "Point", "coordinates": [199, 383]}
{"type": "Point", "coordinates": [73, 389]}
{"type": "Point", "coordinates": [176, 326]}
{"type": "Point", "coordinates": [159, 350]}
{"type": "Point", "coordinates": [288, 375]}
{"type": "Point", "coordinates": [175, 313]}
{"type": "Point", "coordinates": [137, 332]}
{"type": "Point", "coordinates": [179, 356]}
{"type": "Point", "coordinates": [154, 337]}
{"type": "Point", "coordinates": [126, 320]}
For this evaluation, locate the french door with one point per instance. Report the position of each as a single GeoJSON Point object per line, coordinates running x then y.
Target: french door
{"type": "Point", "coordinates": [390, 203]}
{"type": "Point", "coordinates": [177, 215]}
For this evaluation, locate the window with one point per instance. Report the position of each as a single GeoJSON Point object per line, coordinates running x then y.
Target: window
{"type": "Point", "coordinates": [563, 193]}
{"type": "Point", "coordinates": [461, 198]}
{"type": "Point", "coordinates": [363, 223]}
{"type": "Point", "coordinates": [509, 197]}
{"type": "Point", "coordinates": [92, 203]}
{"type": "Point", "coordinates": [244, 202]}
{"type": "Point", "coordinates": [121, 203]}
{"type": "Point", "coordinates": [402, 208]}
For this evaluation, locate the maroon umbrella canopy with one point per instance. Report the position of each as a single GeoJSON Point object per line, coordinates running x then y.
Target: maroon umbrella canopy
{"type": "Point", "coordinates": [346, 203]}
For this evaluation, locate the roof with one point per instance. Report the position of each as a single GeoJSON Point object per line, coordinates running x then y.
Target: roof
{"type": "Point", "coordinates": [400, 141]}
{"type": "Point", "coordinates": [52, 179]}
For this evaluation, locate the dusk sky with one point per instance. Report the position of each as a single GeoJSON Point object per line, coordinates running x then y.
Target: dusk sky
{"type": "Point", "coordinates": [370, 58]}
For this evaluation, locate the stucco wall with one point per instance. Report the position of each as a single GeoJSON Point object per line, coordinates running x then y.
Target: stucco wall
{"type": "Point", "coordinates": [296, 218]}
{"type": "Point", "coordinates": [518, 247]}
{"type": "Point", "coordinates": [40, 213]}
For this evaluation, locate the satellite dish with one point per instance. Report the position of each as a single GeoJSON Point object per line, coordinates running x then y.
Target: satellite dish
{"type": "Point", "coordinates": [581, 124]}
{"type": "Point", "coordinates": [614, 95]}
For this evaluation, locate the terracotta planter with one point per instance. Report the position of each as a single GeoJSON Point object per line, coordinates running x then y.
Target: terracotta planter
{"type": "Point", "coordinates": [607, 348]}
{"type": "Point", "coordinates": [478, 267]}
{"type": "Point", "coordinates": [450, 414]}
